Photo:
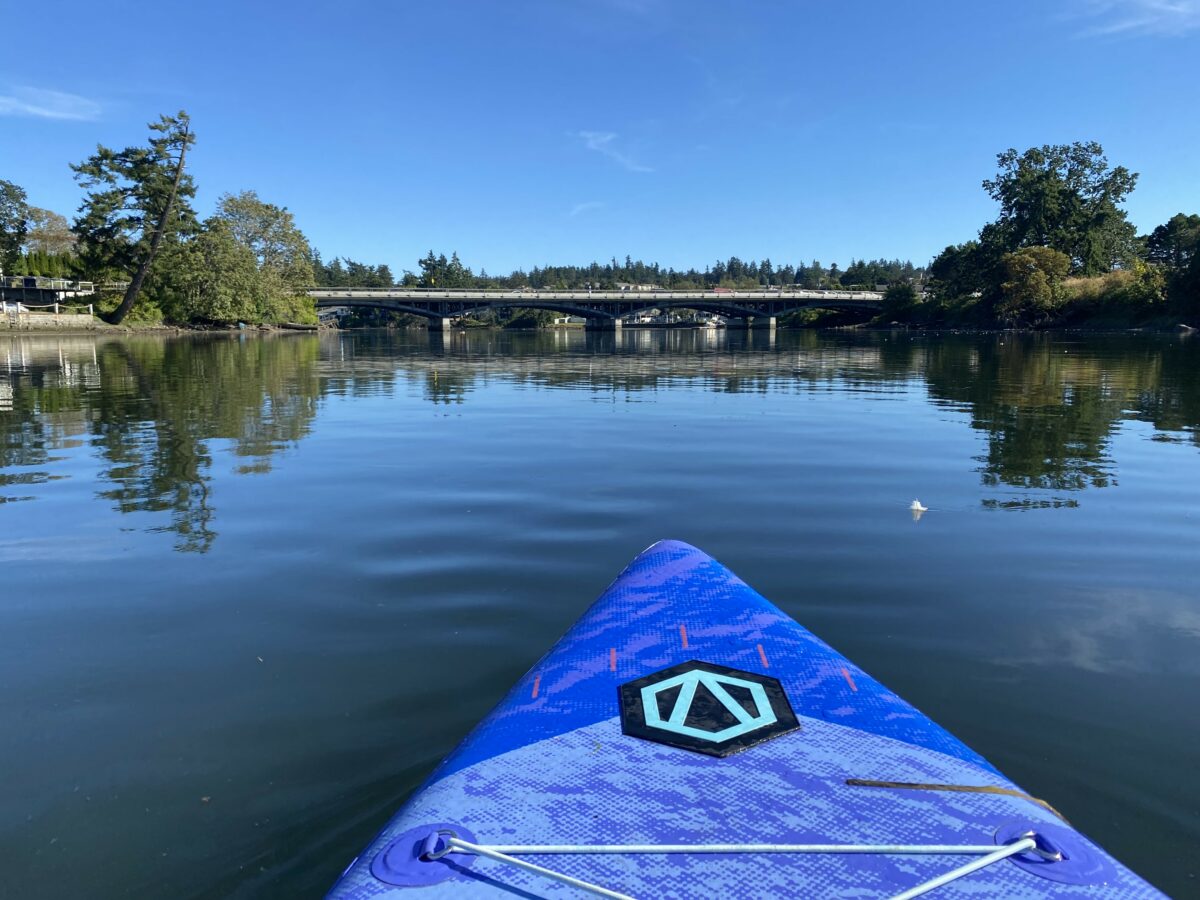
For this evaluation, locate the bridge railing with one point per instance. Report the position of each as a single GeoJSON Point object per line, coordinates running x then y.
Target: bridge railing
{"type": "Point", "coordinates": [516, 296]}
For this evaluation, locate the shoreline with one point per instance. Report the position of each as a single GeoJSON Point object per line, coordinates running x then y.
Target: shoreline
{"type": "Point", "coordinates": [101, 328]}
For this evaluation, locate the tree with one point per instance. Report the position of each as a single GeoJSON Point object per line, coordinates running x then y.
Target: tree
{"type": "Point", "coordinates": [439, 272]}
{"type": "Point", "coordinates": [211, 277]}
{"type": "Point", "coordinates": [1065, 197]}
{"type": "Point", "coordinates": [14, 216]}
{"type": "Point", "coordinates": [1032, 289]}
{"type": "Point", "coordinates": [431, 269]}
{"type": "Point", "coordinates": [900, 301]}
{"type": "Point", "coordinates": [49, 233]}
{"type": "Point", "coordinates": [51, 265]}
{"type": "Point", "coordinates": [270, 233]}
{"type": "Point", "coordinates": [1173, 244]}
{"type": "Point", "coordinates": [766, 272]}
{"type": "Point", "coordinates": [960, 271]}
{"type": "Point", "coordinates": [1184, 290]}
{"type": "Point", "coordinates": [334, 275]}
{"type": "Point", "coordinates": [137, 199]}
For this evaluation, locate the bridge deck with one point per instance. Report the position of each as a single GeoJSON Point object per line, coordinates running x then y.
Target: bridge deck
{"type": "Point", "coordinates": [604, 309]}
{"type": "Point", "coordinates": [645, 298]}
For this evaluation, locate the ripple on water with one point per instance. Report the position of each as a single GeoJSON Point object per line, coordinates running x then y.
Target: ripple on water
{"type": "Point", "coordinates": [287, 574]}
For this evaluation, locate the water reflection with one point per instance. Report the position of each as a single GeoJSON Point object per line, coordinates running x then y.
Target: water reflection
{"type": "Point", "coordinates": [1117, 631]}
{"type": "Point", "coordinates": [152, 410]}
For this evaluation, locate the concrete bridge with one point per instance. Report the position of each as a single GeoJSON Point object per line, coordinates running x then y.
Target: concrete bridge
{"type": "Point", "coordinates": [603, 310]}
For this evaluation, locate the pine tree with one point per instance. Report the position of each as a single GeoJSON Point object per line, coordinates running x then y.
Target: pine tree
{"type": "Point", "coordinates": [138, 198]}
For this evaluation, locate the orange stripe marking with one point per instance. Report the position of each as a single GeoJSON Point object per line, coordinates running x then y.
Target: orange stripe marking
{"type": "Point", "coordinates": [537, 682]}
{"type": "Point", "coordinates": [612, 659]}
{"type": "Point", "coordinates": [762, 654]}
{"type": "Point", "coordinates": [683, 635]}
{"type": "Point", "coordinates": [849, 680]}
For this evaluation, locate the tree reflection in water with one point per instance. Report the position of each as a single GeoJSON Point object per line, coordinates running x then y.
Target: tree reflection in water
{"type": "Point", "coordinates": [153, 408]}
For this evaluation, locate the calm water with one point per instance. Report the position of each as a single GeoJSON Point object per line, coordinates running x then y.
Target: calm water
{"type": "Point", "coordinates": [253, 588]}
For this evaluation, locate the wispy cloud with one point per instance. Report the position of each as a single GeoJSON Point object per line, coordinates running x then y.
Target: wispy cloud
{"type": "Point", "coordinates": [580, 208]}
{"type": "Point", "coordinates": [43, 104]}
{"type": "Point", "coordinates": [1120, 18]}
{"type": "Point", "coordinates": [603, 142]}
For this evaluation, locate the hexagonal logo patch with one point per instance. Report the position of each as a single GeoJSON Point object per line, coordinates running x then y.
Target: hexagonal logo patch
{"type": "Point", "coordinates": [706, 708]}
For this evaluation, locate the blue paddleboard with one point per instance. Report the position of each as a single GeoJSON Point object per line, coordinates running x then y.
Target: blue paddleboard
{"type": "Point", "coordinates": [688, 739]}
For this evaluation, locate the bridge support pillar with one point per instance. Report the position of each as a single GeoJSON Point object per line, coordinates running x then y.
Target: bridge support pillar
{"type": "Point", "coordinates": [603, 325]}
{"type": "Point", "coordinates": [756, 322]}
{"type": "Point", "coordinates": [441, 324]}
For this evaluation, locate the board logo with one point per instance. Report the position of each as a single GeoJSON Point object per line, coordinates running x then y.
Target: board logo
{"type": "Point", "coordinates": [706, 708]}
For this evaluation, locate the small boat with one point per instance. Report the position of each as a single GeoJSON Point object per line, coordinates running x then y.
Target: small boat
{"type": "Point", "coordinates": [686, 738]}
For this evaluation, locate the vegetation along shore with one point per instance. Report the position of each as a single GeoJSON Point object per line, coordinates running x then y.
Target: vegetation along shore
{"type": "Point", "coordinates": [1061, 252]}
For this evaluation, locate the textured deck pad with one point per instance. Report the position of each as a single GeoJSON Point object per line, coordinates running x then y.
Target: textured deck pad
{"type": "Point", "coordinates": [685, 708]}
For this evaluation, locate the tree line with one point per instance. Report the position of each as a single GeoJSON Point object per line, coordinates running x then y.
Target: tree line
{"type": "Point", "coordinates": [1061, 251]}
{"type": "Point", "coordinates": [438, 271]}
{"type": "Point", "coordinates": [137, 229]}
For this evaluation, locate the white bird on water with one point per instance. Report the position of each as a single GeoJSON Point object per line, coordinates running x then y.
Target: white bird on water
{"type": "Point", "coordinates": [917, 507]}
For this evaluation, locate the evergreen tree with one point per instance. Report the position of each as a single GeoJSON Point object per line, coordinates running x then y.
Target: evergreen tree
{"type": "Point", "coordinates": [960, 270]}
{"type": "Point", "coordinates": [137, 199]}
{"type": "Point", "coordinates": [1173, 244]}
{"type": "Point", "coordinates": [14, 223]}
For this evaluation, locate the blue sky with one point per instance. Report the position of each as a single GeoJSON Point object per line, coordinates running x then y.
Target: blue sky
{"type": "Point", "coordinates": [533, 131]}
